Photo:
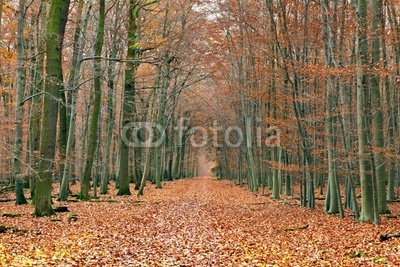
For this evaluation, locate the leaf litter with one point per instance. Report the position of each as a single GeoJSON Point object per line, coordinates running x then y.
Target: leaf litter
{"type": "Point", "coordinates": [194, 222]}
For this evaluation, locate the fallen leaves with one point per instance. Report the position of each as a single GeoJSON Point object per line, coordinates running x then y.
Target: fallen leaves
{"type": "Point", "coordinates": [194, 222]}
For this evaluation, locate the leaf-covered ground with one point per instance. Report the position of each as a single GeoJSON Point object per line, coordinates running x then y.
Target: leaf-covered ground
{"type": "Point", "coordinates": [194, 222]}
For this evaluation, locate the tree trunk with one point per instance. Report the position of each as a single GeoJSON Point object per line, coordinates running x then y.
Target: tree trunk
{"type": "Point", "coordinates": [146, 164]}
{"type": "Point", "coordinates": [275, 176]}
{"type": "Point", "coordinates": [36, 106]}
{"type": "Point", "coordinates": [376, 109]}
{"type": "Point", "coordinates": [57, 20]}
{"type": "Point", "coordinates": [72, 83]}
{"type": "Point", "coordinates": [166, 74]}
{"type": "Point", "coordinates": [367, 190]}
{"type": "Point", "coordinates": [128, 107]}
{"type": "Point", "coordinates": [332, 204]}
{"type": "Point", "coordinates": [93, 134]}
{"type": "Point", "coordinates": [390, 94]}
{"type": "Point", "coordinates": [111, 113]}
{"type": "Point", "coordinates": [19, 112]}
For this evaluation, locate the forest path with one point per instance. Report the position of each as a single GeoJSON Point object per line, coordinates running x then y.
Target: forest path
{"type": "Point", "coordinates": [193, 222]}
{"type": "Point", "coordinates": [210, 223]}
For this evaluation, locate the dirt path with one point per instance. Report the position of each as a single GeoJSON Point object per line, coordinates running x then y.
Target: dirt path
{"type": "Point", "coordinates": [193, 222]}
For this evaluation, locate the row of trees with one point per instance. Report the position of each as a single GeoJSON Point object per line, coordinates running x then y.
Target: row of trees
{"type": "Point", "coordinates": [90, 77]}
{"type": "Point", "coordinates": [321, 79]}
{"type": "Point", "coordinates": [292, 91]}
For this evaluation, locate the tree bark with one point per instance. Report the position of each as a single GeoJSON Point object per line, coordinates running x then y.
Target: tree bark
{"type": "Point", "coordinates": [376, 106]}
{"type": "Point", "coordinates": [128, 106]}
{"type": "Point", "coordinates": [57, 20]}
{"type": "Point", "coordinates": [367, 190]}
{"type": "Point", "coordinates": [390, 94]}
{"type": "Point", "coordinates": [332, 204]}
{"type": "Point", "coordinates": [111, 111]}
{"type": "Point", "coordinates": [72, 83]}
{"type": "Point", "coordinates": [19, 112]}
{"type": "Point", "coordinates": [93, 132]}
{"type": "Point", "coordinates": [36, 107]}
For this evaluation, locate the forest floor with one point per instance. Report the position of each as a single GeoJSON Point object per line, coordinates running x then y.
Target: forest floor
{"type": "Point", "coordinates": [194, 222]}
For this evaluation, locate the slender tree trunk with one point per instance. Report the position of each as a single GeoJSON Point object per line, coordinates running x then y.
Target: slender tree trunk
{"type": "Point", "coordinates": [276, 178]}
{"type": "Point", "coordinates": [146, 165]}
{"type": "Point", "coordinates": [390, 94]}
{"type": "Point", "coordinates": [93, 134]}
{"type": "Point", "coordinates": [179, 143]}
{"type": "Point", "coordinates": [62, 135]}
{"type": "Point", "coordinates": [63, 132]}
{"type": "Point", "coordinates": [111, 114]}
{"type": "Point", "coordinates": [72, 83]}
{"type": "Point", "coordinates": [170, 149]}
{"type": "Point", "coordinates": [332, 204]}
{"type": "Point", "coordinates": [54, 84]}
{"type": "Point", "coordinates": [166, 74]}
{"type": "Point", "coordinates": [376, 106]}
{"type": "Point", "coordinates": [367, 190]}
{"type": "Point", "coordinates": [36, 107]}
{"type": "Point", "coordinates": [19, 112]}
{"type": "Point", "coordinates": [110, 127]}
{"type": "Point", "coordinates": [67, 167]}
{"type": "Point", "coordinates": [288, 180]}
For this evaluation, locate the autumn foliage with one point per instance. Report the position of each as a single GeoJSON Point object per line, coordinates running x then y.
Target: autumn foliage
{"type": "Point", "coordinates": [194, 222]}
{"type": "Point", "coordinates": [295, 104]}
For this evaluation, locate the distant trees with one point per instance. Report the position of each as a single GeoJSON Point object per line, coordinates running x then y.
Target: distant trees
{"type": "Point", "coordinates": [76, 117]}
{"type": "Point", "coordinates": [290, 62]}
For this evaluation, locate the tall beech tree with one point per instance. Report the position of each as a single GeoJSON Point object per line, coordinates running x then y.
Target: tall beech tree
{"type": "Point", "coordinates": [38, 75]}
{"type": "Point", "coordinates": [111, 107]}
{"type": "Point", "coordinates": [378, 139]}
{"type": "Point", "coordinates": [18, 135]}
{"type": "Point", "coordinates": [93, 132]}
{"type": "Point", "coordinates": [129, 109]}
{"type": "Point", "coordinates": [390, 94]}
{"type": "Point", "coordinates": [57, 21]}
{"type": "Point", "coordinates": [366, 84]}
{"type": "Point", "coordinates": [333, 195]}
{"type": "Point", "coordinates": [79, 41]}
